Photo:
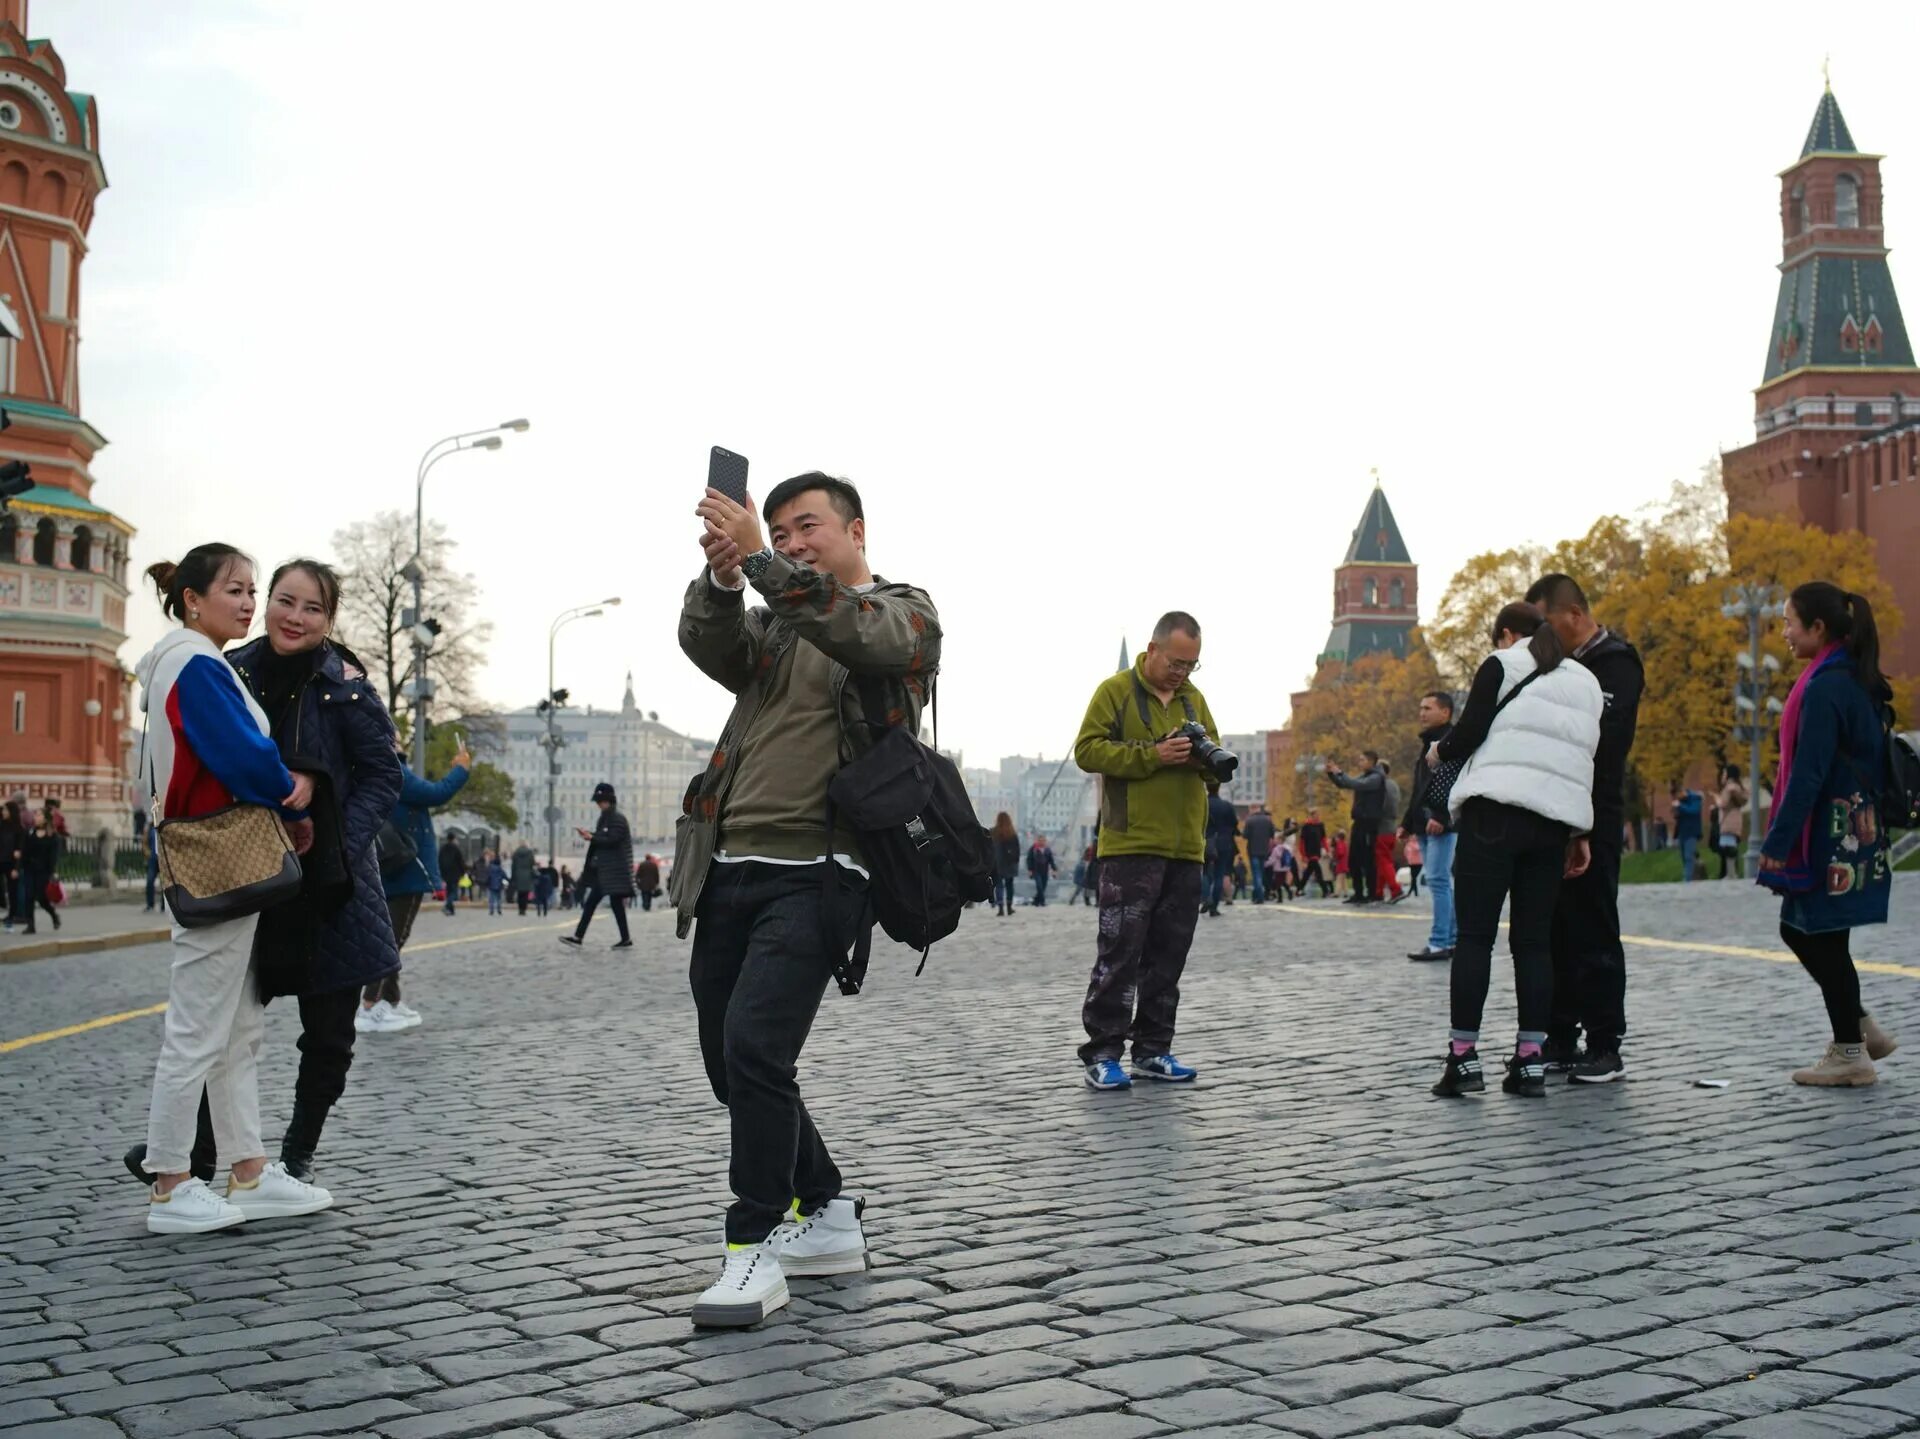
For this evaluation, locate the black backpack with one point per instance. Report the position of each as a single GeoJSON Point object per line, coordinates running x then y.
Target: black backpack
{"type": "Point", "coordinates": [926, 855]}
{"type": "Point", "coordinates": [1900, 798]}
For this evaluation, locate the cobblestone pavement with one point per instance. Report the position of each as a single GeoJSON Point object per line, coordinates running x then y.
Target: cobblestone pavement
{"type": "Point", "coordinates": [1305, 1243]}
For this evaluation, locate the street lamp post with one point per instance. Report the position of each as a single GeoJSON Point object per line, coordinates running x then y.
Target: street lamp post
{"type": "Point", "coordinates": [555, 741]}
{"type": "Point", "coordinates": [1309, 765]}
{"type": "Point", "coordinates": [1756, 604]}
{"type": "Point", "coordinates": [414, 619]}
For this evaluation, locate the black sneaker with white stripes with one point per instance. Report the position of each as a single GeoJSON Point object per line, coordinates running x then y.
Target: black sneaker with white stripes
{"type": "Point", "coordinates": [1526, 1076]}
{"type": "Point", "coordinates": [1461, 1076]}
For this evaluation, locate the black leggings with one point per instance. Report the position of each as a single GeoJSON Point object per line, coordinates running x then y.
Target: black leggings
{"type": "Point", "coordinates": [1504, 854]}
{"type": "Point", "coordinates": [617, 902]}
{"type": "Point", "coordinates": [1828, 960]}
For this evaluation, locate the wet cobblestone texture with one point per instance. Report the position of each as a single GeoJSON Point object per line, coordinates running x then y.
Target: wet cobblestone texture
{"type": "Point", "coordinates": [530, 1186]}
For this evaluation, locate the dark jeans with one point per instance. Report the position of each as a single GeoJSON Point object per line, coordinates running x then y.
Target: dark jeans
{"type": "Point", "coordinates": [1314, 871]}
{"type": "Point", "coordinates": [646, 901]}
{"type": "Point", "coordinates": [1589, 964]}
{"type": "Point", "coordinates": [32, 893]}
{"type": "Point", "coordinates": [1003, 892]}
{"type": "Point", "coordinates": [1829, 959]}
{"type": "Point", "coordinates": [1505, 851]}
{"type": "Point", "coordinates": [326, 1054]}
{"type": "Point", "coordinates": [153, 880]}
{"type": "Point", "coordinates": [402, 910]}
{"type": "Point", "coordinates": [616, 902]}
{"type": "Point", "coordinates": [1148, 909]}
{"type": "Point", "coordinates": [1213, 884]}
{"type": "Point", "coordinates": [1039, 889]}
{"type": "Point", "coordinates": [525, 897]}
{"type": "Point", "coordinates": [761, 964]}
{"type": "Point", "coordinates": [1362, 863]}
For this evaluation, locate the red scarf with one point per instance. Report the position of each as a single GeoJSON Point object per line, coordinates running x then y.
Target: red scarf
{"type": "Point", "coordinates": [1798, 875]}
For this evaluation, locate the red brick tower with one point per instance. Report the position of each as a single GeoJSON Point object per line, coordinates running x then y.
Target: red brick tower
{"type": "Point", "coordinates": [1837, 414]}
{"type": "Point", "coordinates": [63, 559]}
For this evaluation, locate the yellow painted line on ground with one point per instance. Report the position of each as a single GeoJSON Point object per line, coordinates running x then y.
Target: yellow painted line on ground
{"type": "Point", "coordinates": [10, 1045]}
{"type": "Point", "coordinates": [1641, 941]}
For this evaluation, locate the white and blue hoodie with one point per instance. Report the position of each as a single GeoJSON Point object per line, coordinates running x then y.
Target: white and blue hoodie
{"type": "Point", "coordinates": [207, 743]}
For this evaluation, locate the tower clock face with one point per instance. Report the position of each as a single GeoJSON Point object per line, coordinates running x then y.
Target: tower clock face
{"type": "Point", "coordinates": [56, 122]}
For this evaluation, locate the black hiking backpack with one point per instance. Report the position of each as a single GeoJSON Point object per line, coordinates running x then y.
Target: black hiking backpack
{"type": "Point", "coordinates": [926, 854]}
{"type": "Point", "coordinates": [1899, 803]}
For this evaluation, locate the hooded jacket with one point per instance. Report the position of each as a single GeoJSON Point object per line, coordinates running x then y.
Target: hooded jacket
{"type": "Point", "coordinates": [1616, 665]}
{"type": "Point", "coordinates": [206, 744]}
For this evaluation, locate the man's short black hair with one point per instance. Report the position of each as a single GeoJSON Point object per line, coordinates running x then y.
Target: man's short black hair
{"type": "Point", "coordinates": [1373, 755]}
{"type": "Point", "coordinates": [1176, 622]}
{"type": "Point", "coordinates": [1554, 593]}
{"type": "Point", "coordinates": [1441, 698]}
{"type": "Point", "coordinates": [841, 494]}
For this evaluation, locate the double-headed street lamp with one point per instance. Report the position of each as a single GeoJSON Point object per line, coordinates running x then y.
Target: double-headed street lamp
{"type": "Point", "coordinates": [413, 620]}
{"type": "Point", "coordinates": [1309, 765]}
{"type": "Point", "coordinates": [555, 741]}
{"type": "Point", "coordinates": [1752, 705]}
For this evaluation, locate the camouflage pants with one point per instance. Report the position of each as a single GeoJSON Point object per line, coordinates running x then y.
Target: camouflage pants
{"type": "Point", "coordinates": [1148, 909]}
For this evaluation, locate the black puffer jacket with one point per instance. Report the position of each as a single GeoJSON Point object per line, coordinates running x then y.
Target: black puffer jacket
{"type": "Point", "coordinates": [610, 855]}
{"type": "Point", "coordinates": [338, 728]}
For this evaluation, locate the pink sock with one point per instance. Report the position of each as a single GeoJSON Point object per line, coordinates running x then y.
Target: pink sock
{"type": "Point", "coordinates": [1526, 1049]}
{"type": "Point", "coordinates": [1460, 1046]}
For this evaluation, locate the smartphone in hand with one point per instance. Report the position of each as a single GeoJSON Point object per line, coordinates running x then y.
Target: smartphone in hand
{"type": "Point", "coordinates": [727, 473]}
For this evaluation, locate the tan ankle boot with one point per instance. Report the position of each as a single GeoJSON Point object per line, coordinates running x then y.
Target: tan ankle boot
{"type": "Point", "coordinates": [1842, 1064]}
{"type": "Point", "coordinates": [1879, 1043]}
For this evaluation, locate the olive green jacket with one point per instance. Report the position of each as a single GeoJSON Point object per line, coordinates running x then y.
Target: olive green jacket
{"type": "Point", "coordinates": [889, 636]}
{"type": "Point", "coordinates": [1146, 808]}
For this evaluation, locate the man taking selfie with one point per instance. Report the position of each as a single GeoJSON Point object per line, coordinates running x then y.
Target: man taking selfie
{"type": "Point", "coordinates": [826, 646]}
{"type": "Point", "coordinates": [1152, 844]}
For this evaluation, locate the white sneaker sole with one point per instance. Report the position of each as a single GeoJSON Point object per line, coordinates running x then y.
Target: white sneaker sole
{"type": "Point", "coordinates": [1165, 1078]}
{"type": "Point", "coordinates": [814, 1266]}
{"type": "Point", "coordinates": [1611, 1077]}
{"type": "Point", "coordinates": [739, 1316]}
{"type": "Point", "coordinates": [1102, 1088]}
{"type": "Point", "coordinates": [280, 1208]}
{"type": "Point", "coordinates": [160, 1222]}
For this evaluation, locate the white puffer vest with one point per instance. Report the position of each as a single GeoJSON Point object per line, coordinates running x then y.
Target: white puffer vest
{"type": "Point", "coordinates": [1539, 753]}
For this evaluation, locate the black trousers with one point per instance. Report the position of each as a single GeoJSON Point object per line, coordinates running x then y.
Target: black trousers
{"type": "Point", "coordinates": [760, 967]}
{"type": "Point", "coordinates": [1363, 866]}
{"type": "Point", "coordinates": [616, 902]}
{"type": "Point", "coordinates": [646, 901]}
{"type": "Point", "coordinates": [326, 1054]}
{"type": "Point", "coordinates": [1828, 957]}
{"type": "Point", "coordinates": [1505, 852]}
{"type": "Point", "coordinates": [1149, 908]}
{"type": "Point", "coordinates": [1589, 964]}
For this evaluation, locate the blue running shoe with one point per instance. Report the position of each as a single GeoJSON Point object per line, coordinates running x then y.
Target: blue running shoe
{"type": "Point", "coordinates": [1164, 1067]}
{"type": "Point", "coordinates": [1107, 1074]}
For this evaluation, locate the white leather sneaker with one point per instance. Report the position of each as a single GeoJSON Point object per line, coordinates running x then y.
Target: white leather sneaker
{"type": "Point", "coordinates": [406, 1012]}
{"type": "Point", "coordinates": [276, 1194]}
{"type": "Point", "coordinates": [750, 1287]}
{"type": "Point", "coordinates": [191, 1208]}
{"type": "Point", "coordinates": [829, 1241]}
{"type": "Point", "coordinates": [382, 1019]}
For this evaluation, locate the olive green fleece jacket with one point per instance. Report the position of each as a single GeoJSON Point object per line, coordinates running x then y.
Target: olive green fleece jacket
{"type": "Point", "coordinates": [1146, 807]}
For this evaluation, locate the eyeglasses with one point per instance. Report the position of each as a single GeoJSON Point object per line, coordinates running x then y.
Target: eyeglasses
{"type": "Point", "coordinates": [1183, 667]}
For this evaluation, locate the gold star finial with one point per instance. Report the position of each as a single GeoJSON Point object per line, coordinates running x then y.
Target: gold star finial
{"type": "Point", "coordinates": [1376, 477]}
{"type": "Point", "coordinates": [1826, 72]}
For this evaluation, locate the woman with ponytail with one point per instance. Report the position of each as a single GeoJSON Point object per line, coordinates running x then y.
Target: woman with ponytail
{"type": "Point", "coordinates": [1825, 852]}
{"type": "Point", "coordinates": [206, 747]}
{"type": "Point", "coordinates": [1522, 808]}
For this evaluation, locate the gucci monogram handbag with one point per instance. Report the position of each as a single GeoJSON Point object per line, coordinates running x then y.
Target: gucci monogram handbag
{"type": "Point", "coordinates": [226, 865]}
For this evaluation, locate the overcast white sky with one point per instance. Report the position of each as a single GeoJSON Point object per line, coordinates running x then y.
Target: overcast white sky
{"type": "Point", "coordinates": [1108, 308]}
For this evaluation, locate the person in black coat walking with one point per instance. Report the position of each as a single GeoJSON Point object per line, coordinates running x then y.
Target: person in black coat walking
{"type": "Point", "coordinates": [1223, 827]}
{"type": "Point", "coordinates": [453, 868]}
{"type": "Point", "coordinates": [39, 858]}
{"type": "Point", "coordinates": [609, 868]}
{"type": "Point", "coordinates": [335, 936]}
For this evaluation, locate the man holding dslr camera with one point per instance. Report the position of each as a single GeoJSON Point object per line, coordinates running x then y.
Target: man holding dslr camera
{"type": "Point", "coordinates": [1147, 733]}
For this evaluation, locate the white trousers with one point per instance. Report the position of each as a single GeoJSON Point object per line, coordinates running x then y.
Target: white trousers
{"type": "Point", "coordinates": [214, 1026]}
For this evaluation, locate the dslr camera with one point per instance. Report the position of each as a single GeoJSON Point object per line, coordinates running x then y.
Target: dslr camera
{"type": "Point", "coordinates": [1218, 762]}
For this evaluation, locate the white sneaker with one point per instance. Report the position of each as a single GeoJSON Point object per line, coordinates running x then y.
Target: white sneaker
{"type": "Point", "coordinates": [191, 1208]}
{"type": "Point", "coordinates": [403, 1010]}
{"type": "Point", "coordinates": [363, 1019]}
{"type": "Point", "coordinates": [276, 1194]}
{"type": "Point", "coordinates": [829, 1241]}
{"type": "Point", "coordinates": [382, 1019]}
{"type": "Point", "coordinates": [750, 1287]}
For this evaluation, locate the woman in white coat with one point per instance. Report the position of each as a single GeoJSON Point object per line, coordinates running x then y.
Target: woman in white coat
{"type": "Point", "coordinates": [1522, 807]}
{"type": "Point", "coordinates": [206, 748]}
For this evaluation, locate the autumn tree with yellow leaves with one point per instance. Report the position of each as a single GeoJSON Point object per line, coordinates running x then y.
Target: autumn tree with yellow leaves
{"type": "Point", "coordinates": [1369, 704]}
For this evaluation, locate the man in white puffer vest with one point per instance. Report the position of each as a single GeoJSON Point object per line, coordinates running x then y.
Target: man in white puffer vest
{"type": "Point", "coordinates": [1522, 808]}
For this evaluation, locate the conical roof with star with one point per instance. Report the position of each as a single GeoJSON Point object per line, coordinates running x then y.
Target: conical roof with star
{"type": "Point", "coordinates": [1828, 135]}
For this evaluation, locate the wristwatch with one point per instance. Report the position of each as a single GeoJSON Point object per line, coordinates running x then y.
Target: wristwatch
{"type": "Point", "coordinates": [755, 564]}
